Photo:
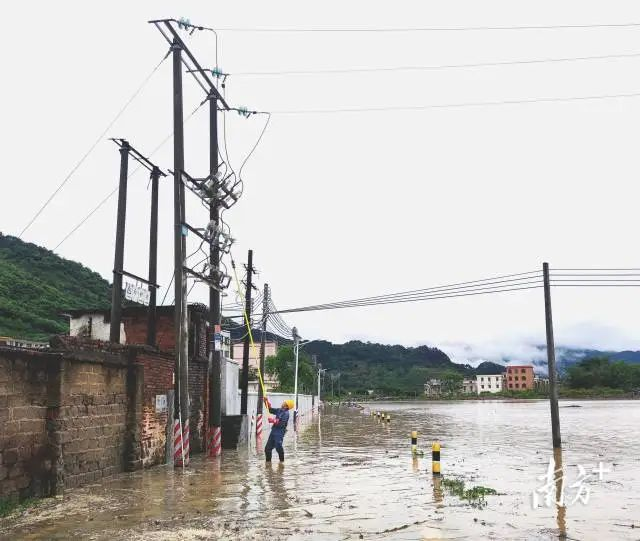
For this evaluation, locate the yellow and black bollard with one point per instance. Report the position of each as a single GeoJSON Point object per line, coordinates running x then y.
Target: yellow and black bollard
{"type": "Point", "coordinates": [388, 418]}
{"type": "Point", "coordinates": [435, 458]}
{"type": "Point", "coordinates": [414, 442]}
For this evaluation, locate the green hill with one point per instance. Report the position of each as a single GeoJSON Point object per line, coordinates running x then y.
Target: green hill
{"type": "Point", "coordinates": [395, 370]}
{"type": "Point", "coordinates": [36, 286]}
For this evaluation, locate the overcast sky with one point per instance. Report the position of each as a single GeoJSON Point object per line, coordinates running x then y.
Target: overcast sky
{"type": "Point", "coordinates": [345, 205]}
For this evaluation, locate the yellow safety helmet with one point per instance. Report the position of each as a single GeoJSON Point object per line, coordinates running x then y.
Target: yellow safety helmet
{"type": "Point", "coordinates": [290, 404]}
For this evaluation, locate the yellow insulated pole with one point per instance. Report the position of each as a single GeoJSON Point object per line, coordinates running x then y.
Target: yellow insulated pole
{"type": "Point", "coordinates": [435, 458]}
{"type": "Point", "coordinates": [414, 442]}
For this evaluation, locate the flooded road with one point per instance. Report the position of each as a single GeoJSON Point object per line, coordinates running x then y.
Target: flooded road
{"type": "Point", "coordinates": [348, 476]}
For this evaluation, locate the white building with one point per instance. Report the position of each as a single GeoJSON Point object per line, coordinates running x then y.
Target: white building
{"type": "Point", "coordinates": [270, 350]}
{"type": "Point", "coordinates": [433, 387]}
{"type": "Point", "coordinates": [469, 386]}
{"type": "Point", "coordinates": [491, 383]}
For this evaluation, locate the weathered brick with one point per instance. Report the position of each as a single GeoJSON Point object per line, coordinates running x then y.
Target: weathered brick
{"type": "Point", "coordinates": [10, 456]}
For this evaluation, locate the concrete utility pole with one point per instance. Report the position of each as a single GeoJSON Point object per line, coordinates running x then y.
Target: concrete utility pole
{"type": "Point", "coordinates": [320, 372]}
{"type": "Point", "coordinates": [179, 245]}
{"type": "Point", "coordinates": [263, 344]}
{"type": "Point", "coordinates": [244, 384]}
{"type": "Point", "coordinates": [551, 360]}
{"type": "Point", "coordinates": [296, 350]}
{"type": "Point", "coordinates": [153, 258]}
{"type": "Point", "coordinates": [207, 190]}
{"type": "Point", "coordinates": [215, 316]}
{"type": "Point", "coordinates": [118, 262]}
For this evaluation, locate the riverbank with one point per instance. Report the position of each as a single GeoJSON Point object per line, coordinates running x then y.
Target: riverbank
{"type": "Point", "coordinates": [600, 393]}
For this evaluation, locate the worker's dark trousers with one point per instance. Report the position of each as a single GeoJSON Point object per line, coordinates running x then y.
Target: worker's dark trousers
{"type": "Point", "coordinates": [274, 442]}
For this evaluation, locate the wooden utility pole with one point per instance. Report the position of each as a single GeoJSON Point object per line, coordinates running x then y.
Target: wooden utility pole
{"type": "Point", "coordinates": [551, 360]}
{"type": "Point", "coordinates": [118, 261]}
{"type": "Point", "coordinates": [244, 384]}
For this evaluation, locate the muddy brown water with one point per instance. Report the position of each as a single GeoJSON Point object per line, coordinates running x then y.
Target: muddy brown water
{"type": "Point", "coordinates": [347, 476]}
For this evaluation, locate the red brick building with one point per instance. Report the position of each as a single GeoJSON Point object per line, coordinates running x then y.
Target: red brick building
{"type": "Point", "coordinates": [519, 378]}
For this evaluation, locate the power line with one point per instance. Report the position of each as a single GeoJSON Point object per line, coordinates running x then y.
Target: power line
{"type": "Point", "coordinates": [500, 279]}
{"type": "Point", "coordinates": [115, 190]}
{"type": "Point", "coordinates": [433, 67]}
{"type": "Point", "coordinates": [93, 146]}
{"type": "Point", "coordinates": [428, 28]}
{"type": "Point", "coordinates": [435, 296]}
{"type": "Point", "coordinates": [456, 105]}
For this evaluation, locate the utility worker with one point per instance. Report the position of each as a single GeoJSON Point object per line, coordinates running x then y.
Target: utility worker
{"type": "Point", "coordinates": [278, 429]}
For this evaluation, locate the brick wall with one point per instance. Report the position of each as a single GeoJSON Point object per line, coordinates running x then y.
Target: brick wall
{"type": "Point", "coordinates": [158, 380]}
{"type": "Point", "coordinates": [197, 393]}
{"type": "Point", "coordinates": [135, 328]}
{"type": "Point", "coordinates": [93, 421]}
{"type": "Point", "coordinates": [67, 417]}
{"type": "Point", "coordinates": [23, 419]}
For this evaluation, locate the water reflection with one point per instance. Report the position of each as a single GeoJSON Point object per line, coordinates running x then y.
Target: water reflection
{"type": "Point", "coordinates": [561, 509]}
{"type": "Point", "coordinates": [276, 485]}
{"type": "Point", "coordinates": [437, 490]}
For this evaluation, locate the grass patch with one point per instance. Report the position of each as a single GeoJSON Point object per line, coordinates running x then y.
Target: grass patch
{"type": "Point", "coordinates": [10, 506]}
{"type": "Point", "coordinates": [475, 495]}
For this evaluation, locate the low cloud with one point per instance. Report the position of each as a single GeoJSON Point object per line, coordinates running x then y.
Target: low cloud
{"type": "Point", "coordinates": [530, 349]}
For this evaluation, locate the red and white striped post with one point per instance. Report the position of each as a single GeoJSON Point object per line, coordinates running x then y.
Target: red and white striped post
{"type": "Point", "coordinates": [214, 441]}
{"type": "Point", "coordinates": [216, 445]}
{"type": "Point", "coordinates": [259, 425]}
{"type": "Point", "coordinates": [185, 442]}
{"type": "Point", "coordinates": [178, 451]}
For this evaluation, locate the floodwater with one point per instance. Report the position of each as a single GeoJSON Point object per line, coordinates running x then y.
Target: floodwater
{"type": "Point", "coordinates": [348, 476]}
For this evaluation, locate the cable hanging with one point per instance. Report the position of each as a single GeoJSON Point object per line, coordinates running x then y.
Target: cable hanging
{"type": "Point", "coordinates": [524, 101]}
{"type": "Point", "coordinates": [498, 63]}
{"type": "Point", "coordinates": [92, 148]}
{"type": "Point", "coordinates": [115, 190]}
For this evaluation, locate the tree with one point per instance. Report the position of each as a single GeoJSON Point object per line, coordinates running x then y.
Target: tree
{"type": "Point", "coordinates": [451, 381]}
{"type": "Point", "coordinates": [601, 372]}
{"type": "Point", "coordinates": [282, 366]}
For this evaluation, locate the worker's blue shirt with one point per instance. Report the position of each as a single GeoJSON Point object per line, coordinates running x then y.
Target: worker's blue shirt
{"type": "Point", "coordinates": [282, 415]}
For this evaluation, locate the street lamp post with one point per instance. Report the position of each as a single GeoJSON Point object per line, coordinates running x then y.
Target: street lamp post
{"type": "Point", "coordinates": [296, 349]}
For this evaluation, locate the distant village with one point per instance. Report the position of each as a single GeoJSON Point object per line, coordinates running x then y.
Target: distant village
{"type": "Point", "coordinates": [516, 378]}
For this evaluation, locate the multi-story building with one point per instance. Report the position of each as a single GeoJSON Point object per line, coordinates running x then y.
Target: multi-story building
{"type": "Point", "coordinates": [270, 350]}
{"type": "Point", "coordinates": [490, 383]}
{"type": "Point", "coordinates": [469, 386]}
{"type": "Point", "coordinates": [519, 378]}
